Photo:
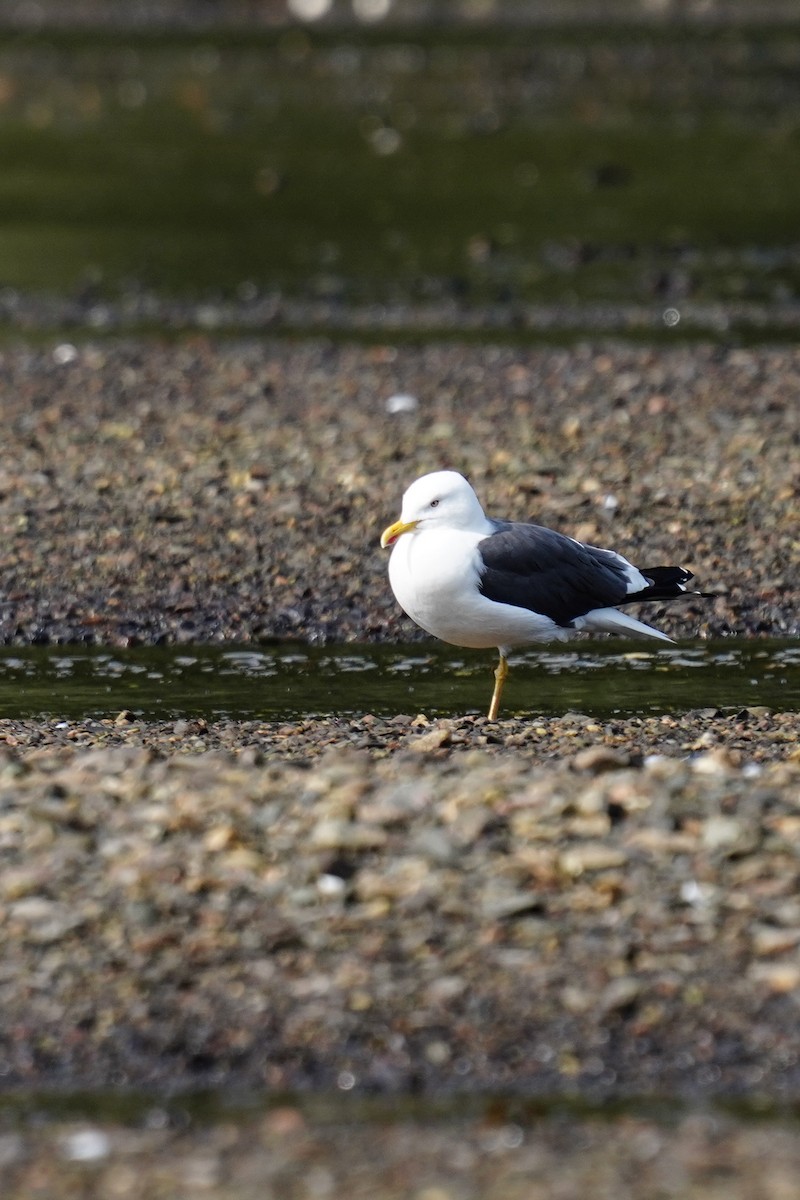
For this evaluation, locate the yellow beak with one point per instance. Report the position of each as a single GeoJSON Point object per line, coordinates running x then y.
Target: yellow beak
{"type": "Point", "coordinates": [390, 535]}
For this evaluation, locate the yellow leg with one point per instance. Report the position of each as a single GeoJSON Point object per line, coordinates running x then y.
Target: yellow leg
{"type": "Point", "coordinates": [499, 679]}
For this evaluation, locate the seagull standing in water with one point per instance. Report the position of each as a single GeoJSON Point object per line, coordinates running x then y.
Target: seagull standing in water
{"type": "Point", "coordinates": [478, 582]}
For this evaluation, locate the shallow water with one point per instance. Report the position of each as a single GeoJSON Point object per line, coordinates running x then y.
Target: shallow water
{"type": "Point", "coordinates": [288, 680]}
{"type": "Point", "coordinates": [582, 170]}
{"type": "Point", "coordinates": [349, 1108]}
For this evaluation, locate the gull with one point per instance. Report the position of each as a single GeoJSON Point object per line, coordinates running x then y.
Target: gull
{"type": "Point", "coordinates": [474, 581]}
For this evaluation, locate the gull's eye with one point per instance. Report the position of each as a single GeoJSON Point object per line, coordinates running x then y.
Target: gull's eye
{"type": "Point", "coordinates": [434, 503]}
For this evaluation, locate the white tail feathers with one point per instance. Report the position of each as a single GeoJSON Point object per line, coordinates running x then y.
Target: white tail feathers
{"type": "Point", "coordinates": [611, 620]}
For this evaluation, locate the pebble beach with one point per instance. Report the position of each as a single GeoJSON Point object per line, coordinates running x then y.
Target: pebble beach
{"type": "Point", "coordinates": [362, 906]}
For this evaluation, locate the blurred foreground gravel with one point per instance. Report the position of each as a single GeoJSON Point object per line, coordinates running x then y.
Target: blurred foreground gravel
{"type": "Point", "coordinates": [356, 907]}
{"type": "Point", "coordinates": [418, 907]}
{"type": "Point", "coordinates": [363, 924]}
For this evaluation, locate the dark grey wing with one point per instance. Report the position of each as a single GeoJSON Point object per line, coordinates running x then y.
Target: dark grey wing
{"type": "Point", "coordinates": [544, 571]}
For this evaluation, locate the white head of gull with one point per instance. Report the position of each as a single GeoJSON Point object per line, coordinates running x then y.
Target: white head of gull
{"type": "Point", "coordinates": [471, 580]}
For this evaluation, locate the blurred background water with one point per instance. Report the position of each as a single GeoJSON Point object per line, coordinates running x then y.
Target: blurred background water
{"type": "Point", "coordinates": [528, 168]}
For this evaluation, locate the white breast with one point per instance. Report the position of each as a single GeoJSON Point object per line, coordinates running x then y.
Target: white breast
{"type": "Point", "coordinates": [432, 575]}
{"type": "Point", "coordinates": [435, 575]}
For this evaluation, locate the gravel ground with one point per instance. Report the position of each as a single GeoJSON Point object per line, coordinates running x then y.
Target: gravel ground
{"type": "Point", "coordinates": [419, 907]}
{"type": "Point", "coordinates": [200, 492]}
{"type": "Point", "coordinates": [553, 921]}
{"type": "Point", "coordinates": [558, 907]}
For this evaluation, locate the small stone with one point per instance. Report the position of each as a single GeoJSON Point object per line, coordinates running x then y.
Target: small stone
{"type": "Point", "coordinates": [715, 762]}
{"type": "Point", "coordinates": [34, 909]}
{"type": "Point", "coordinates": [619, 993]}
{"type": "Point", "coordinates": [596, 759]}
{"type": "Point", "coordinates": [401, 402]}
{"type": "Point", "coordinates": [502, 908]}
{"type": "Point", "coordinates": [593, 856]}
{"type": "Point", "coordinates": [335, 834]}
{"type": "Point", "coordinates": [86, 1145]}
{"type": "Point", "coordinates": [16, 882]}
{"type": "Point", "coordinates": [771, 939]}
{"type": "Point", "coordinates": [435, 845]}
{"type": "Point", "coordinates": [426, 743]}
{"type": "Point", "coordinates": [577, 1000]}
{"type": "Point", "coordinates": [438, 1053]}
{"type": "Point", "coordinates": [445, 988]}
{"type": "Point", "coordinates": [219, 837]}
{"type": "Point", "coordinates": [720, 832]}
{"type": "Point", "coordinates": [694, 892]}
{"type": "Point", "coordinates": [241, 858]}
{"type": "Point", "coordinates": [780, 978]}
{"type": "Point", "coordinates": [332, 887]}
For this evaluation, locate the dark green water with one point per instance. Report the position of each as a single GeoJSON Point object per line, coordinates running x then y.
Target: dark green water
{"type": "Point", "coordinates": [583, 168]}
{"type": "Point", "coordinates": [185, 1108]}
{"type": "Point", "coordinates": [292, 680]}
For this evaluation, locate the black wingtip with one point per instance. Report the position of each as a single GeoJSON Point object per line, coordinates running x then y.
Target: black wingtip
{"type": "Point", "coordinates": [665, 583]}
